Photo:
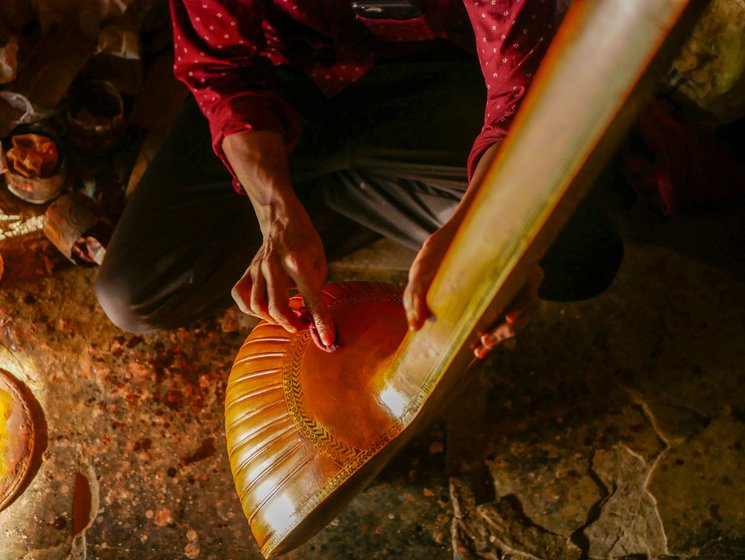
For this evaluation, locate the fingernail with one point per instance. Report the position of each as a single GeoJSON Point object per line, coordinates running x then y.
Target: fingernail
{"type": "Point", "coordinates": [480, 353]}
{"type": "Point", "coordinates": [488, 339]}
{"type": "Point", "coordinates": [331, 348]}
{"type": "Point", "coordinates": [327, 340]}
{"type": "Point", "coordinates": [316, 338]}
{"type": "Point", "coordinates": [412, 320]}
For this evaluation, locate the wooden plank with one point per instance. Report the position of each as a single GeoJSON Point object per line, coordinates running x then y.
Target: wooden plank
{"type": "Point", "coordinates": [598, 74]}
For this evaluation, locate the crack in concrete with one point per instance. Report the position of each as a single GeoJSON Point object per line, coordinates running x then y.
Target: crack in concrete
{"type": "Point", "coordinates": [628, 516]}
{"type": "Point", "coordinates": [670, 440]}
{"type": "Point", "coordinates": [501, 530]}
{"type": "Point", "coordinates": [578, 537]}
{"type": "Point", "coordinates": [628, 522]}
{"type": "Point", "coordinates": [649, 415]}
{"type": "Point", "coordinates": [514, 501]}
{"type": "Point", "coordinates": [637, 399]}
{"type": "Point", "coordinates": [645, 490]}
{"type": "Point", "coordinates": [502, 544]}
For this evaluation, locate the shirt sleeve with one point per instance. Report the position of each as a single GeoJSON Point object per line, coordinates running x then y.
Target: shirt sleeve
{"type": "Point", "coordinates": [511, 39]}
{"type": "Point", "coordinates": [218, 48]}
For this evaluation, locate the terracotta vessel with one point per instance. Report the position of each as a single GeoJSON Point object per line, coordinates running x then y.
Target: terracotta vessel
{"type": "Point", "coordinates": [307, 430]}
{"type": "Point", "coordinates": [34, 189]}
{"type": "Point", "coordinates": [16, 439]}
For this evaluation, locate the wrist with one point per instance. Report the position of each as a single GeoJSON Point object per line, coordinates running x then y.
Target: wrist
{"type": "Point", "coordinates": [280, 213]}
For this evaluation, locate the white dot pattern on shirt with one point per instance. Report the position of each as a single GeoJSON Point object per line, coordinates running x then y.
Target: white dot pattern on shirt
{"type": "Point", "coordinates": [494, 20]}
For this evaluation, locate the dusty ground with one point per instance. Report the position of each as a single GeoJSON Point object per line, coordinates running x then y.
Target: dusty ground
{"type": "Point", "coordinates": [613, 429]}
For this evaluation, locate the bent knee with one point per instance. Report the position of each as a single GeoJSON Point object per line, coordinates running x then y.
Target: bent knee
{"type": "Point", "coordinates": [116, 296]}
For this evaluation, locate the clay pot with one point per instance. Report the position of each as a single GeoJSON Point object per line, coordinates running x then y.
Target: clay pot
{"type": "Point", "coordinates": [16, 439]}
{"type": "Point", "coordinates": [36, 190]}
{"type": "Point", "coordinates": [96, 117]}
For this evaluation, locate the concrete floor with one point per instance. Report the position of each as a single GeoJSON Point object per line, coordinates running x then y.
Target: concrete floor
{"type": "Point", "coordinates": [612, 428]}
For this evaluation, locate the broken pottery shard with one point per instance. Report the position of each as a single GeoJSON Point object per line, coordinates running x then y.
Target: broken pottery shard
{"type": "Point", "coordinates": [629, 523]}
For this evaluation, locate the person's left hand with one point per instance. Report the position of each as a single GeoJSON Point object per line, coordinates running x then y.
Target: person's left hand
{"type": "Point", "coordinates": [513, 318]}
{"type": "Point", "coordinates": [423, 271]}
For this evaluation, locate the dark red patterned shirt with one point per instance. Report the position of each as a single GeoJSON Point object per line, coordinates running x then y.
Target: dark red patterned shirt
{"type": "Point", "coordinates": [225, 50]}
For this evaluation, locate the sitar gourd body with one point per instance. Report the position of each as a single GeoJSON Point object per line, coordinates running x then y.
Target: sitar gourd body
{"type": "Point", "coordinates": [307, 430]}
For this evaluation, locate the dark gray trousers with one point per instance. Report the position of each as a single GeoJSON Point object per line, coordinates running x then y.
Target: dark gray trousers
{"type": "Point", "coordinates": [388, 153]}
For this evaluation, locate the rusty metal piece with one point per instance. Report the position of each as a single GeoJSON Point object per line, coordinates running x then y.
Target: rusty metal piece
{"type": "Point", "coordinates": [77, 227]}
{"type": "Point", "coordinates": [307, 430]}
{"type": "Point", "coordinates": [16, 439]}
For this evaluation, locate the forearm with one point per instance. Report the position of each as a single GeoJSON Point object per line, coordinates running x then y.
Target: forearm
{"type": "Point", "coordinates": [259, 160]}
{"type": "Point", "coordinates": [473, 186]}
{"type": "Point", "coordinates": [291, 255]}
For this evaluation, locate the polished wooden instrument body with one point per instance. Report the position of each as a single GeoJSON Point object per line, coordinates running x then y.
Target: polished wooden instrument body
{"type": "Point", "coordinates": [298, 418]}
{"type": "Point", "coordinates": [306, 431]}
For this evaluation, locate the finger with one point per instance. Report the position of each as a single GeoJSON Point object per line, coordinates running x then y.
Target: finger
{"type": "Point", "coordinates": [241, 293]}
{"type": "Point", "coordinates": [415, 296]}
{"type": "Point", "coordinates": [525, 302]}
{"type": "Point", "coordinates": [488, 341]}
{"type": "Point", "coordinates": [258, 295]}
{"type": "Point", "coordinates": [503, 332]}
{"type": "Point", "coordinates": [278, 288]}
{"type": "Point", "coordinates": [516, 315]}
{"type": "Point", "coordinates": [323, 322]}
{"type": "Point", "coordinates": [308, 282]}
{"type": "Point", "coordinates": [519, 317]}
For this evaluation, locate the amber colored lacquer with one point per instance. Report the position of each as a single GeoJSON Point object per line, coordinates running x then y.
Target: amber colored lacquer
{"type": "Point", "coordinates": [306, 430]}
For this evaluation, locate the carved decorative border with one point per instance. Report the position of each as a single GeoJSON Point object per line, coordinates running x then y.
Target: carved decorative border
{"type": "Point", "coordinates": [325, 442]}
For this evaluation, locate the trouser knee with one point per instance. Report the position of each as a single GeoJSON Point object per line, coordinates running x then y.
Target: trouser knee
{"type": "Point", "coordinates": [116, 297]}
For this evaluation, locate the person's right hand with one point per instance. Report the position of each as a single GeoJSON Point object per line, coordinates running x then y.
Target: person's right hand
{"type": "Point", "coordinates": [291, 256]}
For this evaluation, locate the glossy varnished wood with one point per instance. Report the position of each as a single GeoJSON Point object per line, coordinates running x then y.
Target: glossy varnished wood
{"type": "Point", "coordinates": [297, 417]}
{"type": "Point", "coordinates": [306, 431]}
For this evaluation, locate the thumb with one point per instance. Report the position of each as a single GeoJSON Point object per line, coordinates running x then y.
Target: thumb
{"type": "Point", "coordinates": [415, 295]}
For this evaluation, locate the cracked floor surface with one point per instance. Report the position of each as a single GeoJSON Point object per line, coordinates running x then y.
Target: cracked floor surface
{"type": "Point", "coordinates": [612, 428]}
